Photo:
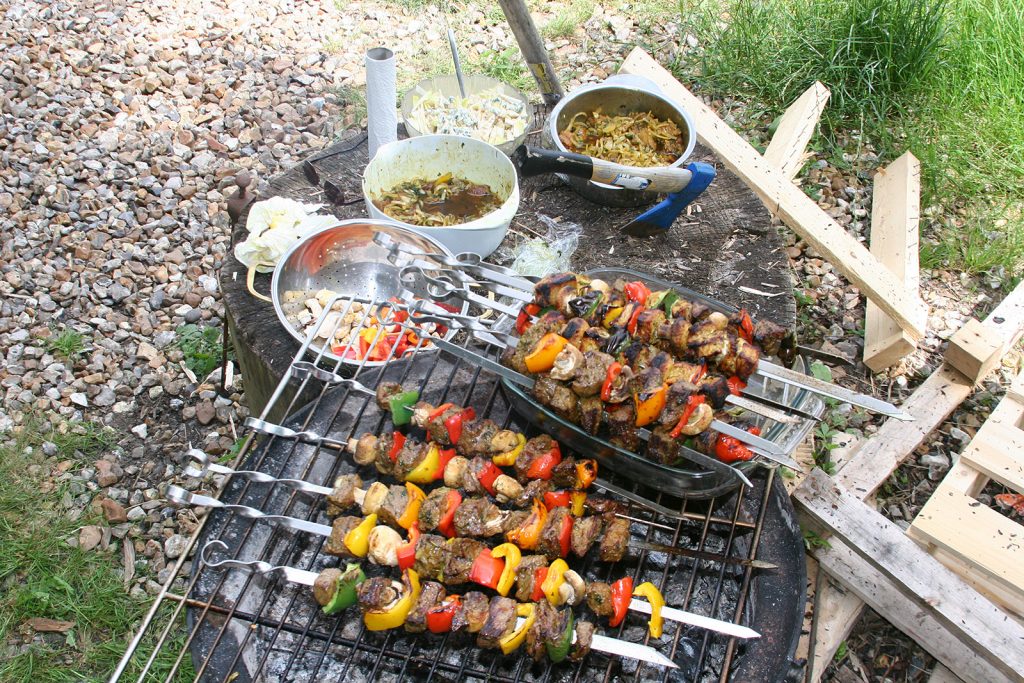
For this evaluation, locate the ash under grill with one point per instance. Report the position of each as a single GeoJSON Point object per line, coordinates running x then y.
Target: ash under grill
{"type": "Point", "coordinates": [247, 627]}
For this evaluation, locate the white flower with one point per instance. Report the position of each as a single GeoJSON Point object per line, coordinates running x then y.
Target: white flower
{"type": "Point", "coordinates": [274, 226]}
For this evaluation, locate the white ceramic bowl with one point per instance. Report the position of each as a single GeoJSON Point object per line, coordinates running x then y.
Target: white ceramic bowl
{"type": "Point", "coordinates": [430, 156]}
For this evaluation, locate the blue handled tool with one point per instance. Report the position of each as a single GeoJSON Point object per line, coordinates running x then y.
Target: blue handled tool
{"type": "Point", "coordinates": [682, 185]}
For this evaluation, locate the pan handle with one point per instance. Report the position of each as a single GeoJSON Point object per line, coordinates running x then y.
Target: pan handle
{"type": "Point", "coordinates": [535, 161]}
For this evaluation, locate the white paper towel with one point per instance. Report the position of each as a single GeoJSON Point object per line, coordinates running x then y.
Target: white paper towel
{"type": "Point", "coordinates": [381, 98]}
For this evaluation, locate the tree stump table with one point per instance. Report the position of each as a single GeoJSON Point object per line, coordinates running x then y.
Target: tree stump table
{"type": "Point", "coordinates": [725, 246]}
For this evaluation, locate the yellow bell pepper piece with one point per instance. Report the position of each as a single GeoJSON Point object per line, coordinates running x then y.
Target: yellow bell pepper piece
{"type": "Point", "coordinates": [542, 358]}
{"type": "Point", "coordinates": [508, 458]}
{"type": "Point", "coordinates": [357, 540]}
{"type": "Point", "coordinates": [577, 499]}
{"type": "Point", "coordinates": [395, 616]}
{"type": "Point", "coordinates": [648, 409]}
{"type": "Point", "coordinates": [650, 591]}
{"type": "Point", "coordinates": [425, 471]}
{"type": "Point", "coordinates": [514, 640]}
{"type": "Point", "coordinates": [611, 315]}
{"type": "Point", "coordinates": [513, 556]}
{"type": "Point", "coordinates": [554, 580]}
{"type": "Point", "coordinates": [411, 513]}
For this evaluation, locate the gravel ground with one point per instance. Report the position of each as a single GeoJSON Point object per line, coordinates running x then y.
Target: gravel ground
{"type": "Point", "coordinates": [123, 127]}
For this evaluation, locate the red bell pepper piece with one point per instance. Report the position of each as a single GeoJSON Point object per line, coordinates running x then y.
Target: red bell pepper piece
{"type": "Point", "coordinates": [446, 525]}
{"type": "Point", "coordinates": [486, 569]}
{"type": "Point", "coordinates": [614, 370]}
{"type": "Point", "coordinates": [746, 329]}
{"type": "Point", "coordinates": [407, 551]}
{"type": "Point", "coordinates": [523, 322]}
{"type": "Point", "coordinates": [446, 457]}
{"type": "Point", "coordinates": [539, 574]}
{"type": "Point", "coordinates": [631, 325]}
{"type": "Point", "coordinates": [637, 291]}
{"type": "Point", "coordinates": [438, 410]}
{"type": "Point", "coordinates": [729, 449]}
{"type": "Point", "coordinates": [622, 594]}
{"type": "Point", "coordinates": [542, 466]}
{"type": "Point", "coordinates": [556, 499]}
{"type": "Point", "coordinates": [439, 617]}
{"type": "Point", "coordinates": [702, 370]}
{"type": "Point", "coordinates": [736, 385]}
{"type": "Point", "coordinates": [454, 424]}
{"type": "Point", "coordinates": [397, 441]}
{"type": "Point", "coordinates": [487, 475]}
{"type": "Point", "coordinates": [565, 535]}
{"type": "Point", "coordinates": [691, 404]}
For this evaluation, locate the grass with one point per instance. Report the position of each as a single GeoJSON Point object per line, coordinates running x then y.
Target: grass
{"type": "Point", "coordinates": [69, 344]}
{"type": "Point", "coordinates": [201, 347]}
{"type": "Point", "coordinates": [505, 65]}
{"type": "Point", "coordinates": [570, 17]}
{"type": "Point", "coordinates": [943, 78]}
{"type": "Point", "coordinates": [42, 576]}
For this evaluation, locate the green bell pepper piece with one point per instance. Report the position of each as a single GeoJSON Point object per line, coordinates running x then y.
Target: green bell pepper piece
{"type": "Point", "coordinates": [401, 405]}
{"type": "Point", "coordinates": [670, 298]}
{"type": "Point", "coordinates": [345, 590]}
{"type": "Point", "coordinates": [559, 649]}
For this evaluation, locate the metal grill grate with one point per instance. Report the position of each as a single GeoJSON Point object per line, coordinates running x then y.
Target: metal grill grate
{"type": "Point", "coordinates": [243, 627]}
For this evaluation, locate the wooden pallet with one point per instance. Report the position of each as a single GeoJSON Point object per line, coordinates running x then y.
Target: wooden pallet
{"type": "Point", "coordinates": [978, 543]}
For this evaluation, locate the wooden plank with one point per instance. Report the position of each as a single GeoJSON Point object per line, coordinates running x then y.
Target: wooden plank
{"type": "Point", "coordinates": [1009, 599]}
{"type": "Point", "coordinates": [941, 674]}
{"type": "Point", "coordinates": [998, 451]}
{"type": "Point", "coordinates": [910, 616]}
{"type": "Point", "coordinates": [787, 150]}
{"type": "Point", "coordinates": [1016, 390]}
{"type": "Point", "coordinates": [976, 534]}
{"type": "Point", "coordinates": [973, 351]}
{"type": "Point", "coordinates": [784, 199]}
{"type": "Point", "coordinates": [837, 610]}
{"type": "Point", "coordinates": [930, 404]}
{"type": "Point", "coordinates": [955, 605]}
{"type": "Point", "coordinates": [895, 215]}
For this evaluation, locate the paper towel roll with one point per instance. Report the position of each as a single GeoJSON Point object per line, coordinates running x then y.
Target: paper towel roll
{"type": "Point", "coordinates": [381, 98]}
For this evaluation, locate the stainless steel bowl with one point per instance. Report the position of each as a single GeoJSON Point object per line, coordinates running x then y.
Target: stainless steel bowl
{"type": "Point", "coordinates": [343, 258]}
{"type": "Point", "coordinates": [615, 100]}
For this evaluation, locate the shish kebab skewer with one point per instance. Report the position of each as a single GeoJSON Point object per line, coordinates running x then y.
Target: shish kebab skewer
{"type": "Point", "coordinates": [346, 492]}
{"type": "Point", "coordinates": [542, 629]}
{"type": "Point", "coordinates": [460, 558]}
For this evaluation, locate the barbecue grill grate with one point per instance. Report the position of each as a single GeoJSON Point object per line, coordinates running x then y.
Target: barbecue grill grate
{"type": "Point", "coordinates": [244, 627]}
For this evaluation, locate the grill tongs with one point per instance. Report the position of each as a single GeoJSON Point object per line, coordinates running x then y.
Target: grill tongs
{"type": "Point", "coordinates": [470, 270]}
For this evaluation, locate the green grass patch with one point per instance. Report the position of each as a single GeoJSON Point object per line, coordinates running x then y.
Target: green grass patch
{"type": "Point", "coordinates": [44, 577]}
{"type": "Point", "coordinates": [570, 17]}
{"type": "Point", "coordinates": [506, 65]}
{"type": "Point", "coordinates": [69, 344]}
{"type": "Point", "coordinates": [942, 78]}
{"type": "Point", "coordinates": [88, 438]}
{"type": "Point", "coordinates": [201, 347]}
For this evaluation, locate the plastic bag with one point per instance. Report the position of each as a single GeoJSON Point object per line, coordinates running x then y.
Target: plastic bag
{"type": "Point", "coordinates": [550, 254]}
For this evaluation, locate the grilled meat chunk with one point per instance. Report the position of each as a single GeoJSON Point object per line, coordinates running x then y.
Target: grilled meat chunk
{"type": "Point", "coordinates": [431, 593]}
{"type": "Point", "coordinates": [648, 323]}
{"type": "Point", "coordinates": [478, 516]}
{"type": "Point", "coordinates": [393, 505]}
{"type": "Point", "coordinates": [675, 402]}
{"type": "Point", "coordinates": [471, 478]}
{"type": "Point", "coordinates": [769, 336]}
{"type": "Point", "coordinates": [431, 552]}
{"type": "Point", "coordinates": [716, 389]}
{"type": "Point", "coordinates": [585, 531]}
{"type": "Point", "coordinates": [584, 638]}
{"type": "Point", "coordinates": [742, 362]}
{"type": "Point", "coordinates": [574, 330]}
{"type": "Point", "coordinates": [513, 519]}
{"type": "Point", "coordinates": [501, 619]}
{"type": "Point", "coordinates": [556, 396]}
{"type": "Point", "coordinates": [409, 457]}
{"type": "Point", "coordinates": [325, 585]}
{"type": "Point", "coordinates": [336, 542]}
{"type": "Point", "coordinates": [563, 475]}
{"type": "Point", "coordinates": [376, 593]}
{"type": "Point", "coordinates": [708, 342]}
{"type": "Point", "coordinates": [661, 447]}
{"type": "Point", "coordinates": [615, 539]}
{"type": "Point", "coordinates": [525, 575]}
{"type": "Point", "coordinates": [594, 339]}
{"type": "Point", "coordinates": [549, 543]}
{"type": "Point", "coordinates": [385, 391]}
{"type": "Point", "coordinates": [433, 508]}
{"type": "Point", "coordinates": [535, 488]}
{"type": "Point", "coordinates": [548, 290]}
{"type": "Point", "coordinates": [591, 413]}
{"type": "Point", "coordinates": [599, 598]}
{"type": "Point", "coordinates": [382, 454]}
{"type": "Point", "coordinates": [461, 552]}
{"type": "Point", "coordinates": [343, 496]}
{"type": "Point", "coordinates": [591, 375]}
{"type": "Point", "coordinates": [598, 506]}
{"type": "Point", "coordinates": [435, 426]}
{"type": "Point", "coordinates": [534, 448]}
{"type": "Point", "coordinates": [621, 419]}
{"type": "Point", "coordinates": [476, 437]}
{"type": "Point", "coordinates": [545, 624]}
{"type": "Point", "coordinates": [472, 614]}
